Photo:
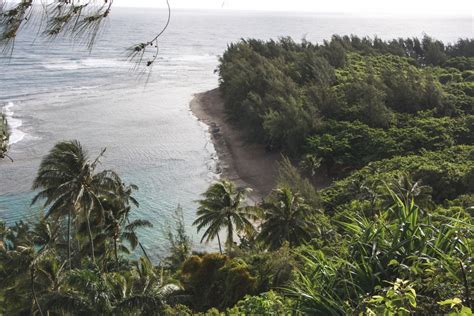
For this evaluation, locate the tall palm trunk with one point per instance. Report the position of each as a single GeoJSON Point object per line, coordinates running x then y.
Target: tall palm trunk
{"type": "Point", "coordinates": [140, 244]}
{"type": "Point", "coordinates": [91, 240]}
{"type": "Point", "coordinates": [69, 238]}
{"type": "Point", "coordinates": [230, 234]}
{"type": "Point", "coordinates": [219, 241]}
{"type": "Point", "coordinates": [144, 252]}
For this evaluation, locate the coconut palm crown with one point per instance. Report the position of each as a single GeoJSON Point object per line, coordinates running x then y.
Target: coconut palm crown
{"type": "Point", "coordinates": [223, 206]}
{"type": "Point", "coordinates": [70, 187]}
{"type": "Point", "coordinates": [284, 219]}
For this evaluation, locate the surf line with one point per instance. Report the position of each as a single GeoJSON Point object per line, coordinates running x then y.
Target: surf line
{"type": "Point", "coordinates": [14, 124]}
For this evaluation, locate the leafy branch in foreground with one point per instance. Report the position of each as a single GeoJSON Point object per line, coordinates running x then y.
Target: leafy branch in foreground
{"type": "Point", "coordinates": [137, 53]}
{"type": "Point", "coordinates": [80, 20]}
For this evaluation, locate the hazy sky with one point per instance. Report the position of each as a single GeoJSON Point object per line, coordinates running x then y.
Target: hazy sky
{"type": "Point", "coordinates": [463, 7]}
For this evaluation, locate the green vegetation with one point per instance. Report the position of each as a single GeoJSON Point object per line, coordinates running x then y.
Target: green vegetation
{"type": "Point", "coordinates": [285, 217]}
{"type": "Point", "coordinates": [392, 235]}
{"type": "Point", "coordinates": [4, 136]}
{"type": "Point", "coordinates": [80, 21]}
{"type": "Point", "coordinates": [445, 175]}
{"type": "Point", "coordinates": [351, 100]}
{"type": "Point", "coordinates": [222, 208]}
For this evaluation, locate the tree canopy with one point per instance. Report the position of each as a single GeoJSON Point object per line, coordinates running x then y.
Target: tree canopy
{"type": "Point", "coordinates": [390, 124]}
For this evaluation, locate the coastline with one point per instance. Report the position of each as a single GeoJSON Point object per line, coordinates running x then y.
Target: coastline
{"type": "Point", "coordinates": [245, 164]}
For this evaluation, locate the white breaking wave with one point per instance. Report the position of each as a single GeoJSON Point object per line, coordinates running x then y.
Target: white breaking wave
{"type": "Point", "coordinates": [62, 64]}
{"type": "Point", "coordinates": [16, 135]}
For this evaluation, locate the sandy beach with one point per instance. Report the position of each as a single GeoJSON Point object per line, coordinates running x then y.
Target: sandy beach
{"type": "Point", "coordinates": [246, 164]}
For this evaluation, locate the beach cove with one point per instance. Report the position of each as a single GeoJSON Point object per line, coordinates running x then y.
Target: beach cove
{"type": "Point", "coordinates": [57, 92]}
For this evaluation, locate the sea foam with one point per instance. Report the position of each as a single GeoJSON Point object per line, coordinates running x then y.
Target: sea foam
{"type": "Point", "coordinates": [16, 135]}
{"type": "Point", "coordinates": [87, 63]}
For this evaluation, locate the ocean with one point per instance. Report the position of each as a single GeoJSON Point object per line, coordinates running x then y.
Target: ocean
{"type": "Point", "coordinates": [58, 90]}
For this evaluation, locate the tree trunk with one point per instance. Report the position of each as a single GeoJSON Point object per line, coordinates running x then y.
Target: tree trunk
{"type": "Point", "coordinates": [140, 244]}
{"type": "Point", "coordinates": [69, 239]}
{"type": "Point", "coordinates": [219, 242]}
{"type": "Point", "coordinates": [90, 236]}
{"type": "Point", "coordinates": [144, 252]}
{"type": "Point", "coordinates": [230, 234]}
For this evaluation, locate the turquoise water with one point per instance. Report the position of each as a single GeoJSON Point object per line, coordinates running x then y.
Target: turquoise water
{"type": "Point", "coordinates": [56, 91]}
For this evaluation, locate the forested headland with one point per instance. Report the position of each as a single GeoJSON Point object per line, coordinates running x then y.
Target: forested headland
{"type": "Point", "coordinates": [352, 100]}
{"type": "Point", "coordinates": [391, 122]}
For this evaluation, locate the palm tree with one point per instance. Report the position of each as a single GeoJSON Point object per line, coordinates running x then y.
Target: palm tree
{"type": "Point", "coordinates": [16, 256]}
{"type": "Point", "coordinates": [284, 219]}
{"type": "Point", "coordinates": [222, 207]}
{"type": "Point", "coordinates": [70, 187]}
{"type": "Point", "coordinates": [117, 220]}
{"type": "Point", "coordinates": [142, 290]}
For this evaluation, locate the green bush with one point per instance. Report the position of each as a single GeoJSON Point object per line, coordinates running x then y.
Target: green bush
{"type": "Point", "coordinates": [282, 92]}
{"type": "Point", "coordinates": [449, 174]}
{"type": "Point", "coordinates": [401, 241]}
{"type": "Point", "coordinates": [215, 280]}
{"type": "Point", "coordinates": [266, 304]}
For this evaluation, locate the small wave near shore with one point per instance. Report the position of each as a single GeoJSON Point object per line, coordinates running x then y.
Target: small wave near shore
{"type": "Point", "coordinates": [14, 124]}
{"type": "Point", "coordinates": [246, 164]}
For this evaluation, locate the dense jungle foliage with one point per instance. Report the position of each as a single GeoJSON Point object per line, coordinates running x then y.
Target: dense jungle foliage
{"type": "Point", "coordinates": [393, 235]}
{"type": "Point", "coordinates": [351, 100]}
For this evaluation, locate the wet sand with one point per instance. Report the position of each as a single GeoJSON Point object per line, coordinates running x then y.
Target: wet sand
{"type": "Point", "coordinates": [246, 164]}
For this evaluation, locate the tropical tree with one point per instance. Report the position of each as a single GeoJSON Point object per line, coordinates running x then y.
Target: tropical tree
{"type": "Point", "coordinates": [16, 255]}
{"type": "Point", "coordinates": [118, 226]}
{"type": "Point", "coordinates": [180, 244]}
{"type": "Point", "coordinates": [284, 217]}
{"type": "Point", "coordinates": [223, 206]}
{"type": "Point", "coordinates": [35, 281]}
{"type": "Point", "coordinates": [21, 258]}
{"type": "Point", "coordinates": [70, 187]}
{"type": "Point", "coordinates": [138, 291]}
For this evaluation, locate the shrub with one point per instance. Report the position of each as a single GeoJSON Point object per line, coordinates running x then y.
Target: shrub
{"type": "Point", "coordinates": [216, 281]}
